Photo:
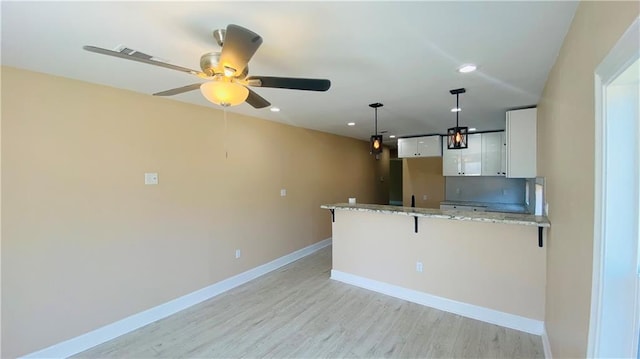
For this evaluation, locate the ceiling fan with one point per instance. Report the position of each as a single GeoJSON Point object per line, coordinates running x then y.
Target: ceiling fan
{"type": "Point", "coordinates": [227, 70]}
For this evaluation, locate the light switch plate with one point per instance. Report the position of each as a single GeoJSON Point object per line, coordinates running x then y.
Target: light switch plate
{"type": "Point", "coordinates": [546, 209]}
{"type": "Point", "coordinates": [150, 178]}
{"type": "Point", "coordinates": [283, 192]}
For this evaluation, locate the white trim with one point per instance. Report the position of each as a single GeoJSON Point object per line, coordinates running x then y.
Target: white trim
{"type": "Point", "coordinates": [131, 323]}
{"type": "Point", "coordinates": [623, 54]}
{"type": "Point", "coordinates": [492, 316]}
{"type": "Point", "coordinates": [598, 220]}
{"type": "Point", "coordinates": [619, 58]}
{"type": "Point", "coordinates": [546, 345]}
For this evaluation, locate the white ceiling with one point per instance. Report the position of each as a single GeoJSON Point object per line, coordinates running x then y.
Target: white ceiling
{"type": "Point", "coordinates": [403, 54]}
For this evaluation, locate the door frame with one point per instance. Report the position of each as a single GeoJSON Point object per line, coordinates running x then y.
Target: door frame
{"type": "Point", "coordinates": [623, 54]}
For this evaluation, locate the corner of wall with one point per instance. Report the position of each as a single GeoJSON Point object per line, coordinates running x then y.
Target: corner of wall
{"type": "Point", "coordinates": [546, 345]}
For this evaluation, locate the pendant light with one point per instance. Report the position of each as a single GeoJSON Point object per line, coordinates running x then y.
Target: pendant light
{"type": "Point", "coordinates": [457, 136]}
{"type": "Point", "coordinates": [376, 140]}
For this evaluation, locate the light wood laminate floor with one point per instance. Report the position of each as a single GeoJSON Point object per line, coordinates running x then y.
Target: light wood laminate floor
{"type": "Point", "coordinates": [299, 312]}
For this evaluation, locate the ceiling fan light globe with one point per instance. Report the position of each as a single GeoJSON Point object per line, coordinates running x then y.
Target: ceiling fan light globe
{"type": "Point", "coordinates": [224, 93]}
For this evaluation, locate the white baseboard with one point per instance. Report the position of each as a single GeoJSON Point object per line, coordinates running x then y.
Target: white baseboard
{"type": "Point", "coordinates": [546, 344]}
{"type": "Point", "coordinates": [467, 310]}
{"type": "Point", "coordinates": [131, 323]}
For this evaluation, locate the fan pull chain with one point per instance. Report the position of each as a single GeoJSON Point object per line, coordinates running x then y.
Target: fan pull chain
{"type": "Point", "coordinates": [226, 149]}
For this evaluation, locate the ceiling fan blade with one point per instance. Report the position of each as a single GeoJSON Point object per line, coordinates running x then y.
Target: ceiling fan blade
{"type": "Point", "coordinates": [178, 90]}
{"type": "Point", "coordinates": [238, 47]}
{"type": "Point", "coordinates": [256, 100]}
{"type": "Point", "coordinates": [290, 83]}
{"type": "Point", "coordinates": [133, 55]}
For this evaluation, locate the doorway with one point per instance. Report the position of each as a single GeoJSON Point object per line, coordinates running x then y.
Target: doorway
{"type": "Point", "coordinates": [615, 302]}
{"type": "Point", "coordinates": [395, 179]}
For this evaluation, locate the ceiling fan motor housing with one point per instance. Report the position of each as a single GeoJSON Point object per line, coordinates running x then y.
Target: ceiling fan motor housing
{"type": "Point", "coordinates": [209, 62]}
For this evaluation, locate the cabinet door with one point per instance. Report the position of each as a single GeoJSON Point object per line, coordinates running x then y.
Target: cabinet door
{"type": "Point", "coordinates": [492, 153]}
{"type": "Point", "coordinates": [450, 161]}
{"type": "Point", "coordinates": [503, 153]}
{"type": "Point", "coordinates": [471, 157]}
{"type": "Point", "coordinates": [521, 143]}
{"type": "Point", "coordinates": [428, 146]}
{"type": "Point", "coordinates": [407, 147]}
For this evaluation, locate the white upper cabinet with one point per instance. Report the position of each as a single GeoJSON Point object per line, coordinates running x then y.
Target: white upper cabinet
{"type": "Point", "coordinates": [472, 156]}
{"type": "Point", "coordinates": [407, 147]}
{"type": "Point", "coordinates": [450, 161]}
{"type": "Point", "coordinates": [521, 143]}
{"type": "Point", "coordinates": [425, 146]}
{"type": "Point", "coordinates": [463, 162]}
{"type": "Point", "coordinates": [493, 154]}
{"type": "Point", "coordinates": [429, 146]}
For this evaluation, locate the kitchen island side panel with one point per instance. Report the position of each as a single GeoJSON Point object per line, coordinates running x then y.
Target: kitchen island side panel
{"type": "Point", "coordinates": [492, 265]}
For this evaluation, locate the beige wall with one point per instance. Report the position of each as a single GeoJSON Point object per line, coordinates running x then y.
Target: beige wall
{"type": "Point", "coordinates": [566, 112]}
{"type": "Point", "coordinates": [86, 243]}
{"type": "Point", "coordinates": [422, 176]}
{"type": "Point", "coordinates": [496, 266]}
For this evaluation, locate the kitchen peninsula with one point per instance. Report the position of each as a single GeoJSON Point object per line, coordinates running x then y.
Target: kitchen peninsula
{"type": "Point", "coordinates": [485, 265]}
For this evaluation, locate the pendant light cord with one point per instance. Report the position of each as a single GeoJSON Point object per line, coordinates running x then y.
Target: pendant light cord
{"type": "Point", "coordinates": [375, 107]}
{"type": "Point", "coordinates": [376, 122]}
{"type": "Point", "coordinates": [458, 109]}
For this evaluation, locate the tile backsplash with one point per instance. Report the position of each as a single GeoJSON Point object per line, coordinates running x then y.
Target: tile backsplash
{"type": "Point", "coordinates": [486, 189]}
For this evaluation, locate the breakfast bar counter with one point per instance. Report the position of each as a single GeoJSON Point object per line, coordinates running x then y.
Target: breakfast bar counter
{"type": "Point", "coordinates": [483, 265]}
{"type": "Point", "coordinates": [492, 217]}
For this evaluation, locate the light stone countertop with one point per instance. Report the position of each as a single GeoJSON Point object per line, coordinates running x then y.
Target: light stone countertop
{"type": "Point", "coordinates": [491, 217]}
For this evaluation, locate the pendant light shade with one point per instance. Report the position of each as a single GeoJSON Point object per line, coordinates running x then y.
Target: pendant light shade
{"type": "Point", "coordinates": [224, 93]}
{"type": "Point", "coordinates": [376, 140]}
{"type": "Point", "coordinates": [376, 144]}
{"type": "Point", "coordinates": [457, 136]}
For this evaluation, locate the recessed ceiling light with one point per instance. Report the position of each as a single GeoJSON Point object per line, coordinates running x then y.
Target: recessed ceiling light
{"type": "Point", "coordinates": [456, 109]}
{"type": "Point", "coordinates": [467, 68]}
{"type": "Point", "coordinates": [351, 124]}
{"type": "Point", "coordinates": [275, 109]}
{"type": "Point", "coordinates": [472, 129]}
{"type": "Point", "coordinates": [392, 136]}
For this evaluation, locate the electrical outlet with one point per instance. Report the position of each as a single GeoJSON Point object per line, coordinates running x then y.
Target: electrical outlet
{"type": "Point", "coordinates": [424, 197]}
{"type": "Point", "coordinates": [283, 192]}
{"type": "Point", "coordinates": [238, 253]}
{"type": "Point", "coordinates": [419, 267]}
{"type": "Point", "coordinates": [150, 178]}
